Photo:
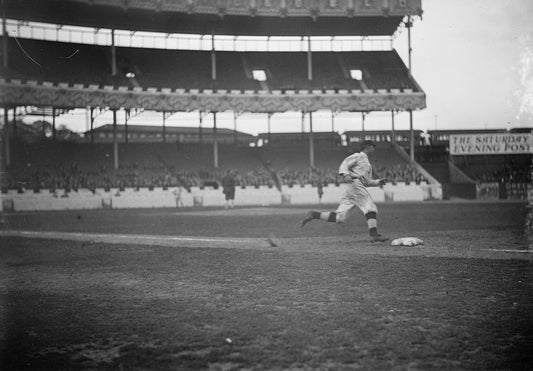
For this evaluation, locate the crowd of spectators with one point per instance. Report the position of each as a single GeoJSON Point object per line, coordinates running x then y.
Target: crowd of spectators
{"type": "Point", "coordinates": [406, 173]}
{"type": "Point", "coordinates": [146, 175]}
{"type": "Point", "coordinates": [510, 173]}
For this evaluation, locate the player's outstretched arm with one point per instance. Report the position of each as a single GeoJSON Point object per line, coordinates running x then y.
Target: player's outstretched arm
{"type": "Point", "coordinates": [377, 182]}
{"type": "Point", "coordinates": [346, 178]}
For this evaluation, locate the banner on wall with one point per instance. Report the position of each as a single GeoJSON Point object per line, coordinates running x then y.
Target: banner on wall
{"type": "Point", "coordinates": [491, 144]}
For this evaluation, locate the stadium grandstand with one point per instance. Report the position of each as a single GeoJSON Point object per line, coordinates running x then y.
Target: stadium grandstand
{"type": "Point", "coordinates": [198, 56]}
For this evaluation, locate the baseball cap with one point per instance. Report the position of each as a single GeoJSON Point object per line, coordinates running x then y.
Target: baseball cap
{"type": "Point", "coordinates": [367, 143]}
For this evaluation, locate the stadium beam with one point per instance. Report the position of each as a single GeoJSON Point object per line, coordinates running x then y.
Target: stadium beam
{"type": "Point", "coordinates": [309, 59]}
{"type": "Point", "coordinates": [411, 137]}
{"type": "Point", "coordinates": [409, 50]}
{"type": "Point", "coordinates": [213, 59]}
{"type": "Point", "coordinates": [269, 115]}
{"type": "Point", "coordinates": [4, 40]}
{"type": "Point", "coordinates": [393, 139]}
{"type": "Point", "coordinates": [2, 171]}
{"type": "Point", "coordinates": [115, 140]}
{"type": "Point", "coordinates": [113, 54]}
{"type": "Point", "coordinates": [164, 127]}
{"type": "Point", "coordinates": [311, 142]}
{"type": "Point", "coordinates": [363, 118]}
{"type": "Point", "coordinates": [303, 124]}
{"type": "Point", "coordinates": [166, 115]}
{"type": "Point", "coordinates": [6, 153]}
{"type": "Point", "coordinates": [201, 118]}
{"type": "Point", "coordinates": [15, 134]}
{"type": "Point", "coordinates": [87, 119]}
{"type": "Point", "coordinates": [53, 123]}
{"type": "Point", "coordinates": [235, 115]}
{"type": "Point", "coordinates": [126, 118]}
{"type": "Point", "coordinates": [92, 124]}
{"type": "Point", "coordinates": [215, 141]}
{"type": "Point", "coordinates": [333, 114]}
{"type": "Point", "coordinates": [43, 126]}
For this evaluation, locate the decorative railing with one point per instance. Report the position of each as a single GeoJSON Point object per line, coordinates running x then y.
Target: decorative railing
{"type": "Point", "coordinates": [64, 95]}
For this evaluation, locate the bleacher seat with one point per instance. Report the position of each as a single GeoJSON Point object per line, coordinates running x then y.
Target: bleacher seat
{"type": "Point", "coordinates": [90, 65]}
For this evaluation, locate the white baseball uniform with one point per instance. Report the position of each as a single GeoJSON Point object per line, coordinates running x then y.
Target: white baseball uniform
{"type": "Point", "coordinates": [355, 193]}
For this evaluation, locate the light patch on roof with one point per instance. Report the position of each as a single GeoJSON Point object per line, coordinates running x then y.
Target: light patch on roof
{"type": "Point", "coordinates": [259, 75]}
{"type": "Point", "coordinates": [356, 74]}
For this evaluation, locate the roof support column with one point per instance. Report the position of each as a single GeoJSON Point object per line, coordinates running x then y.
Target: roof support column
{"type": "Point", "coordinates": [53, 123]}
{"type": "Point", "coordinates": [164, 127]}
{"type": "Point", "coordinates": [126, 118]}
{"type": "Point", "coordinates": [311, 142]}
{"type": "Point", "coordinates": [7, 151]}
{"type": "Point", "coordinates": [393, 133]}
{"type": "Point", "coordinates": [411, 137]}
{"type": "Point", "coordinates": [200, 136]}
{"type": "Point", "coordinates": [213, 59]}
{"type": "Point", "coordinates": [303, 124]}
{"type": "Point", "coordinates": [363, 117]}
{"type": "Point", "coordinates": [235, 115]}
{"type": "Point", "coordinates": [411, 133]}
{"type": "Point", "coordinates": [43, 126]}
{"type": "Point", "coordinates": [4, 40]}
{"type": "Point", "coordinates": [269, 115]}
{"type": "Point", "coordinates": [15, 134]}
{"type": "Point", "coordinates": [409, 48]}
{"type": "Point", "coordinates": [2, 168]}
{"type": "Point", "coordinates": [115, 141]}
{"type": "Point", "coordinates": [215, 141]}
{"type": "Point", "coordinates": [92, 125]}
{"type": "Point", "coordinates": [87, 119]}
{"type": "Point", "coordinates": [113, 54]}
{"type": "Point", "coordinates": [309, 60]}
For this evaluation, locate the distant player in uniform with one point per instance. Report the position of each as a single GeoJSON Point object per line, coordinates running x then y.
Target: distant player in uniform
{"type": "Point", "coordinates": [356, 172]}
{"type": "Point", "coordinates": [228, 188]}
{"type": "Point", "coordinates": [177, 195]}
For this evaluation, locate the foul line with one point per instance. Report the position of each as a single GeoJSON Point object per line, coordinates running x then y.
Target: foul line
{"type": "Point", "coordinates": [142, 239]}
{"type": "Point", "coordinates": [511, 250]}
{"type": "Point", "coordinates": [296, 244]}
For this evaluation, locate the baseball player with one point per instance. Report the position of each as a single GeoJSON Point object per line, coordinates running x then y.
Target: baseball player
{"type": "Point", "coordinates": [228, 188]}
{"type": "Point", "coordinates": [356, 172]}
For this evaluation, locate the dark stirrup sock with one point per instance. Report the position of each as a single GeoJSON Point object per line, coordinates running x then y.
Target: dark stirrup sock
{"type": "Point", "coordinates": [328, 217]}
{"type": "Point", "coordinates": [371, 220]}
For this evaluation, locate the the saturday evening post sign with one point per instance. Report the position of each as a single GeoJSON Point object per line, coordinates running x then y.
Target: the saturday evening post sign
{"type": "Point", "coordinates": [491, 144]}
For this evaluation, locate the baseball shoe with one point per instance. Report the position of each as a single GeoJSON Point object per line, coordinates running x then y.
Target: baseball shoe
{"type": "Point", "coordinates": [307, 219]}
{"type": "Point", "coordinates": [378, 238]}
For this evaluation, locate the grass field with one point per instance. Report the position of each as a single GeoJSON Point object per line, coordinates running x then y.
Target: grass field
{"type": "Point", "coordinates": [205, 289]}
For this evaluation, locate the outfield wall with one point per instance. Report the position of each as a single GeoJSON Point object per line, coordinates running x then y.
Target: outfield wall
{"type": "Point", "coordinates": [208, 197]}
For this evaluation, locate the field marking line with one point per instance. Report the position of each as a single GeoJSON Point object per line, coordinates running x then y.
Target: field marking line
{"type": "Point", "coordinates": [511, 250]}
{"type": "Point", "coordinates": [118, 237]}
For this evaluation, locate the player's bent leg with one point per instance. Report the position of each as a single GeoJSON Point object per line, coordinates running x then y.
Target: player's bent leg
{"type": "Point", "coordinates": [331, 217]}
{"type": "Point", "coordinates": [327, 216]}
{"type": "Point", "coordinates": [344, 210]}
{"type": "Point", "coordinates": [372, 222]}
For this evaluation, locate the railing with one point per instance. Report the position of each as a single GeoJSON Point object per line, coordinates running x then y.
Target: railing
{"type": "Point", "coordinates": [157, 40]}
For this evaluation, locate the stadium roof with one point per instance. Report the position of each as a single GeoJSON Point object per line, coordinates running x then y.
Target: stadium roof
{"type": "Point", "coordinates": [168, 129]}
{"type": "Point", "coordinates": [223, 17]}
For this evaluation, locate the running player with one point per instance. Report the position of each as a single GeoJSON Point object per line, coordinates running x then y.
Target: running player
{"type": "Point", "coordinates": [356, 172]}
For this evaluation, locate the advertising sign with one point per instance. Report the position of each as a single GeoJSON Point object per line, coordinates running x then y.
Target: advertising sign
{"type": "Point", "coordinates": [491, 144]}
